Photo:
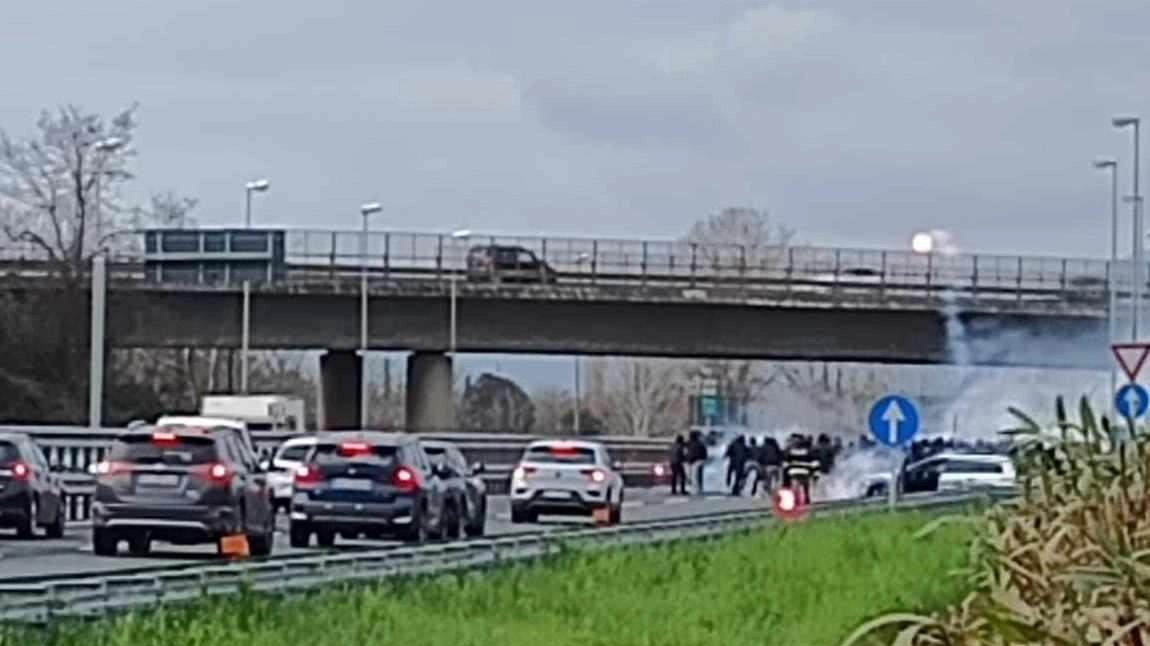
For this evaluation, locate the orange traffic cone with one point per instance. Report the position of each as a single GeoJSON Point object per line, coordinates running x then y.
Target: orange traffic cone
{"type": "Point", "coordinates": [235, 546]}
{"type": "Point", "coordinates": [601, 516]}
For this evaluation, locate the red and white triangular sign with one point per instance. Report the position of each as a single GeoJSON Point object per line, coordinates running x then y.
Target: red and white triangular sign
{"type": "Point", "coordinates": [1131, 357]}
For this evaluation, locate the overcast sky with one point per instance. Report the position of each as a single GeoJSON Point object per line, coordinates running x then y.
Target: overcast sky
{"type": "Point", "coordinates": [855, 121]}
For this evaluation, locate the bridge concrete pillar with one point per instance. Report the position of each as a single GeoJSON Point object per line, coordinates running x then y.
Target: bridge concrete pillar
{"type": "Point", "coordinates": [340, 372]}
{"type": "Point", "coordinates": [430, 393]}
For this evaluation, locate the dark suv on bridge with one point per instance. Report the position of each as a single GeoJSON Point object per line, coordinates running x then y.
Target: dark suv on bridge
{"type": "Point", "coordinates": [507, 264]}
{"type": "Point", "coordinates": [181, 484]}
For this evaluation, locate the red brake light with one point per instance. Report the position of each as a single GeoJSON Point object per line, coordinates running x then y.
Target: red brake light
{"type": "Point", "coordinates": [20, 471]}
{"type": "Point", "coordinates": [216, 473]}
{"type": "Point", "coordinates": [352, 449]}
{"type": "Point", "coordinates": [164, 438]}
{"type": "Point", "coordinates": [567, 451]}
{"type": "Point", "coordinates": [306, 476]}
{"type": "Point", "coordinates": [406, 479]}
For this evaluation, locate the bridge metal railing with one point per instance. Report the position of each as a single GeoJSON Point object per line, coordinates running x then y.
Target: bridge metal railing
{"type": "Point", "coordinates": [45, 601]}
{"type": "Point", "coordinates": [316, 256]}
{"type": "Point", "coordinates": [73, 450]}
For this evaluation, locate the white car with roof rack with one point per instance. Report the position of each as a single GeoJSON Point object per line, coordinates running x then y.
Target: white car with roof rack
{"type": "Point", "coordinates": [566, 478]}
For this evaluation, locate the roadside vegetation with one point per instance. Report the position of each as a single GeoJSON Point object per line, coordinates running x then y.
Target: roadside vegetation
{"type": "Point", "coordinates": [1066, 564]}
{"type": "Point", "coordinates": [806, 584]}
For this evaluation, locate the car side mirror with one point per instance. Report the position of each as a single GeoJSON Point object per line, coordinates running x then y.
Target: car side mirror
{"type": "Point", "coordinates": [478, 468]}
{"type": "Point", "coordinates": [55, 468]}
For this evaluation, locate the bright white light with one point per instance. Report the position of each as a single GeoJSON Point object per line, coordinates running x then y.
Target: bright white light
{"type": "Point", "coordinates": [922, 242]}
{"type": "Point", "coordinates": [786, 500]}
{"type": "Point", "coordinates": [462, 233]}
{"type": "Point", "coordinates": [258, 185]}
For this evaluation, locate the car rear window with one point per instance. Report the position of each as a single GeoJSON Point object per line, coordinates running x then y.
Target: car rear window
{"type": "Point", "coordinates": [972, 466]}
{"type": "Point", "coordinates": [176, 450]}
{"type": "Point", "coordinates": [333, 453]}
{"type": "Point", "coordinates": [294, 453]}
{"type": "Point", "coordinates": [558, 454]}
{"type": "Point", "coordinates": [9, 453]}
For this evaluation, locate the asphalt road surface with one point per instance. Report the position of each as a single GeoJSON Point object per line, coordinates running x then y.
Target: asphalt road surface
{"type": "Point", "coordinates": [72, 555]}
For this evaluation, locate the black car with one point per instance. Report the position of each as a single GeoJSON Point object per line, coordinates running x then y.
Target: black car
{"type": "Point", "coordinates": [507, 264]}
{"type": "Point", "coordinates": [31, 495]}
{"type": "Point", "coordinates": [464, 480]}
{"type": "Point", "coordinates": [361, 483]}
{"type": "Point", "coordinates": [181, 484]}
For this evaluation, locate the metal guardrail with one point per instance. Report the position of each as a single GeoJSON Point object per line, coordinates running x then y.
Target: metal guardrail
{"type": "Point", "coordinates": [314, 257]}
{"type": "Point", "coordinates": [72, 450]}
{"type": "Point", "coordinates": [99, 595]}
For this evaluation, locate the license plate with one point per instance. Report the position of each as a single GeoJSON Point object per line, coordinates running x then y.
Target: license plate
{"type": "Point", "coordinates": [354, 484]}
{"type": "Point", "coordinates": [559, 495]}
{"type": "Point", "coordinates": [158, 480]}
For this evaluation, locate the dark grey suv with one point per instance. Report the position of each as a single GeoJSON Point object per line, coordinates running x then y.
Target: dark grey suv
{"type": "Point", "coordinates": [183, 485]}
{"type": "Point", "coordinates": [356, 483]}
{"type": "Point", "coordinates": [31, 495]}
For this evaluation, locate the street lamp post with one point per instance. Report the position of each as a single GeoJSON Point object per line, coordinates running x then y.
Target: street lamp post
{"type": "Point", "coordinates": [365, 211]}
{"type": "Point", "coordinates": [1138, 285]}
{"type": "Point", "coordinates": [99, 302]}
{"type": "Point", "coordinates": [1111, 166]}
{"type": "Point", "coordinates": [575, 422]}
{"type": "Point", "coordinates": [257, 186]}
{"type": "Point", "coordinates": [457, 236]}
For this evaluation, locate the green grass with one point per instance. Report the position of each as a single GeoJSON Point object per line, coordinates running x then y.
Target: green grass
{"type": "Point", "coordinates": [804, 585]}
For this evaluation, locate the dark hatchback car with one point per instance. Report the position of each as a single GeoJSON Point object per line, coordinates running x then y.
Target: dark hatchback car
{"type": "Point", "coordinates": [507, 264]}
{"type": "Point", "coordinates": [183, 485]}
{"type": "Point", "coordinates": [370, 484]}
{"type": "Point", "coordinates": [31, 495]}
{"type": "Point", "coordinates": [465, 482]}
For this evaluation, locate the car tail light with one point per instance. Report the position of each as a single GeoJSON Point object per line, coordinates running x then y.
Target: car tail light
{"type": "Point", "coordinates": [406, 479]}
{"type": "Point", "coordinates": [595, 475]}
{"type": "Point", "coordinates": [659, 470]}
{"type": "Point", "coordinates": [20, 471]}
{"type": "Point", "coordinates": [217, 473]}
{"type": "Point", "coordinates": [164, 438]}
{"type": "Point", "coordinates": [521, 473]}
{"type": "Point", "coordinates": [353, 449]}
{"type": "Point", "coordinates": [307, 476]}
{"type": "Point", "coordinates": [111, 469]}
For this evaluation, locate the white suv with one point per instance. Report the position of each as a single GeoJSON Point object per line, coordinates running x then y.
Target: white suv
{"type": "Point", "coordinates": [565, 478]}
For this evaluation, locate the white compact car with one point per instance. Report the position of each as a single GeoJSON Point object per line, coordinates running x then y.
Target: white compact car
{"type": "Point", "coordinates": [565, 478]}
{"type": "Point", "coordinates": [281, 468]}
{"type": "Point", "coordinates": [949, 471]}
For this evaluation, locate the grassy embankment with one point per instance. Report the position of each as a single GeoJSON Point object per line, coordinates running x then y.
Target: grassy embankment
{"type": "Point", "coordinates": [804, 585]}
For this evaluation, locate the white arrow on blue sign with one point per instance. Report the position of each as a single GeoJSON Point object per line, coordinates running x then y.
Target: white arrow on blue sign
{"type": "Point", "coordinates": [893, 420]}
{"type": "Point", "coordinates": [1132, 400]}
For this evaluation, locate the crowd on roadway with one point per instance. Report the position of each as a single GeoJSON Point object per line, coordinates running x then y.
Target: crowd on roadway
{"type": "Point", "coordinates": [762, 463]}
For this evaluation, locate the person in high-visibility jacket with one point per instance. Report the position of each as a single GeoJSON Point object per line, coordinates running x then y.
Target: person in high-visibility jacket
{"type": "Point", "coordinates": [800, 465]}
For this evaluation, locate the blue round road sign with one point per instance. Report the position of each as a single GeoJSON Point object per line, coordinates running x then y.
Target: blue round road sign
{"type": "Point", "coordinates": [893, 420]}
{"type": "Point", "coordinates": [1132, 400]}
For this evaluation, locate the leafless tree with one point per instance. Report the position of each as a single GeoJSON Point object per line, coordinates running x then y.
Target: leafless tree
{"type": "Point", "coordinates": [60, 203]}
{"type": "Point", "coordinates": [739, 239]}
{"type": "Point", "coordinates": [552, 409]}
{"type": "Point", "coordinates": [844, 391]}
{"type": "Point", "coordinates": [642, 397]}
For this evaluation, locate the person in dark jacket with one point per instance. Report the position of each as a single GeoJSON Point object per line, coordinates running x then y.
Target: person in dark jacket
{"type": "Point", "coordinates": [679, 466]}
{"type": "Point", "coordinates": [825, 454]}
{"type": "Point", "coordinates": [696, 458]}
{"type": "Point", "coordinates": [800, 466]}
{"type": "Point", "coordinates": [736, 464]}
{"type": "Point", "coordinates": [771, 457]}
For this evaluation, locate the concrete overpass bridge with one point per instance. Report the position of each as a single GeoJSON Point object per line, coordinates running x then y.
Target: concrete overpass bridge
{"type": "Point", "coordinates": [639, 298]}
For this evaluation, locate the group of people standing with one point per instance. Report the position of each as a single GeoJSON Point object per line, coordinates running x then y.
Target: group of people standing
{"type": "Point", "coordinates": [763, 462]}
